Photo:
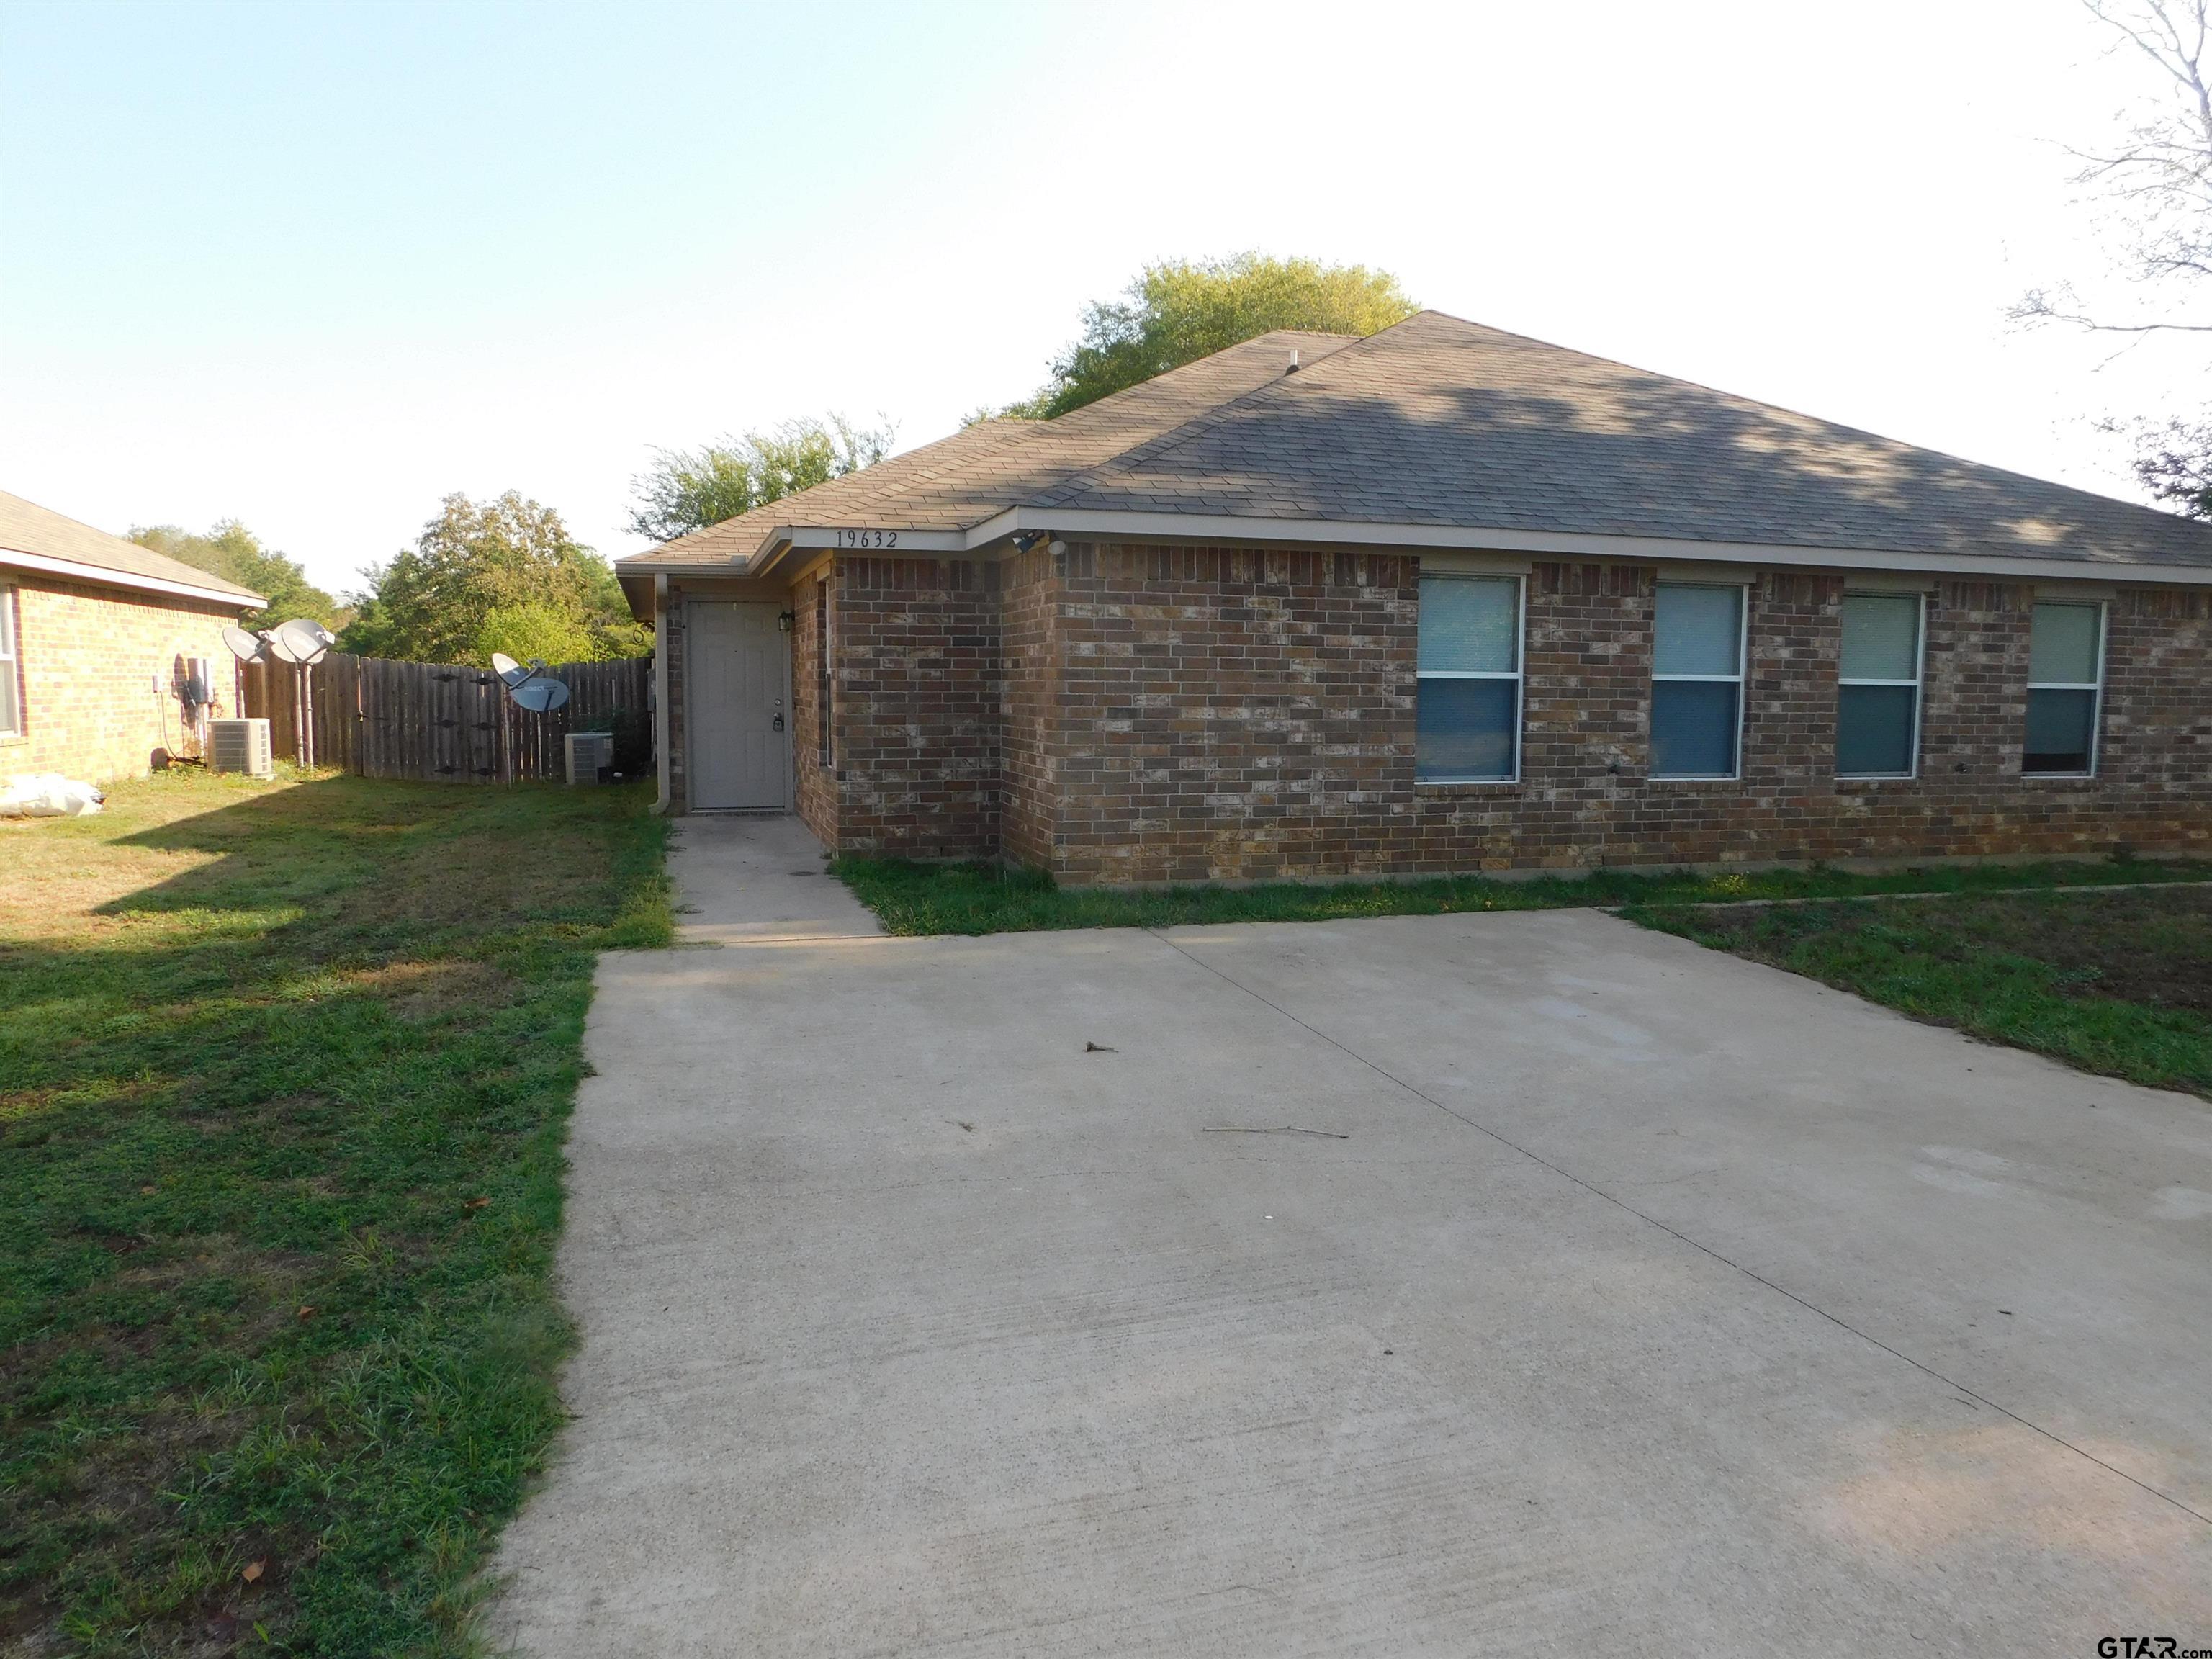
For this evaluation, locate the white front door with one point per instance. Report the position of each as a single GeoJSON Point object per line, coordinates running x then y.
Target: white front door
{"type": "Point", "coordinates": [738, 686]}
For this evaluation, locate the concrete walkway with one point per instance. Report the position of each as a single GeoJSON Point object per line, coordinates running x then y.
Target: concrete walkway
{"type": "Point", "coordinates": [742, 880]}
{"type": "Point", "coordinates": [1654, 1301]}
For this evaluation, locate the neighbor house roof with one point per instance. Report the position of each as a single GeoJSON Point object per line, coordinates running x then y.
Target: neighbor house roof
{"type": "Point", "coordinates": [1442, 433]}
{"type": "Point", "coordinates": [34, 537]}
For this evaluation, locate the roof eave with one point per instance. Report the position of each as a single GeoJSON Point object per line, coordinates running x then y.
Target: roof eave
{"type": "Point", "coordinates": [1154, 526]}
{"type": "Point", "coordinates": [1337, 532]}
{"type": "Point", "coordinates": [757, 562]}
{"type": "Point", "coordinates": [107, 576]}
{"type": "Point", "coordinates": [1093, 523]}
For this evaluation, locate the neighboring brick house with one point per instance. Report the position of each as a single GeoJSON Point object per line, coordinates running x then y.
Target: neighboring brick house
{"type": "Point", "coordinates": [97, 636]}
{"type": "Point", "coordinates": [1444, 598]}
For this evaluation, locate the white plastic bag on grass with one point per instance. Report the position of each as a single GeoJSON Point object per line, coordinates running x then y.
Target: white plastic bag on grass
{"type": "Point", "coordinates": [47, 795]}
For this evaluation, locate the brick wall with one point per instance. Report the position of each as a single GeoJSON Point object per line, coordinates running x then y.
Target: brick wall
{"type": "Point", "coordinates": [1028, 766]}
{"type": "Point", "coordinates": [1127, 713]}
{"type": "Point", "coordinates": [2157, 720]}
{"type": "Point", "coordinates": [1585, 731]}
{"type": "Point", "coordinates": [1234, 714]}
{"type": "Point", "coordinates": [918, 722]}
{"type": "Point", "coordinates": [1228, 709]}
{"type": "Point", "coordinates": [813, 605]}
{"type": "Point", "coordinates": [90, 657]}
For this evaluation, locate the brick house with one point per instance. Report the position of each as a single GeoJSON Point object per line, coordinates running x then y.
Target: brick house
{"type": "Point", "coordinates": [97, 636]}
{"type": "Point", "coordinates": [1444, 598]}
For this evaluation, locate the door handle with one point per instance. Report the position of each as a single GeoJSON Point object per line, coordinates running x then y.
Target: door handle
{"type": "Point", "coordinates": [779, 723]}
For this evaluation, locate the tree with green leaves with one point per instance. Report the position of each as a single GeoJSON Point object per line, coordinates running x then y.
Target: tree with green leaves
{"type": "Point", "coordinates": [2174, 462]}
{"type": "Point", "coordinates": [234, 553]}
{"type": "Point", "coordinates": [1181, 310]}
{"type": "Point", "coordinates": [685, 491]}
{"type": "Point", "coordinates": [497, 575]}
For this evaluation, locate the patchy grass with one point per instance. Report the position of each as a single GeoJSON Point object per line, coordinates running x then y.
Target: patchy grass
{"type": "Point", "coordinates": [2117, 983]}
{"type": "Point", "coordinates": [987, 898]}
{"type": "Point", "coordinates": [285, 1076]}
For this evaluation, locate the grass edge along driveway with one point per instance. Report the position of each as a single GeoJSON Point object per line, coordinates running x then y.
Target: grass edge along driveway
{"type": "Point", "coordinates": [2108, 982]}
{"type": "Point", "coordinates": [2117, 983]}
{"type": "Point", "coordinates": [285, 1073]}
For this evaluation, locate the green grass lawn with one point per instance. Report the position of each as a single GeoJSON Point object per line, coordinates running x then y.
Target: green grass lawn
{"type": "Point", "coordinates": [2119, 983]}
{"type": "Point", "coordinates": [985, 898]}
{"type": "Point", "coordinates": [285, 1076]}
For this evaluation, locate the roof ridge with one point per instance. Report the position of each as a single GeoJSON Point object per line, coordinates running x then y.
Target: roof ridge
{"type": "Point", "coordinates": [1102, 404]}
{"type": "Point", "coordinates": [1018, 434]}
{"type": "Point", "coordinates": [1047, 432]}
{"type": "Point", "coordinates": [1198, 425]}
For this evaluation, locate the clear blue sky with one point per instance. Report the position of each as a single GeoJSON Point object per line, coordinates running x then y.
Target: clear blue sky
{"type": "Point", "coordinates": [314, 266]}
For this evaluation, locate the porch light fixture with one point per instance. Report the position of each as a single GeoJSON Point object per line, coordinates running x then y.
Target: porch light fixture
{"type": "Point", "coordinates": [784, 619]}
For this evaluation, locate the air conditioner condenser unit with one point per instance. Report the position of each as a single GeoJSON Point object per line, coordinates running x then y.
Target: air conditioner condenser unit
{"type": "Point", "coordinates": [241, 746]}
{"type": "Point", "coordinates": [587, 752]}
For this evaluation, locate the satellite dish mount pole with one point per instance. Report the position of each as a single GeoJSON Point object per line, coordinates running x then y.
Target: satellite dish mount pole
{"type": "Point", "coordinates": [303, 644]}
{"type": "Point", "coordinates": [307, 715]}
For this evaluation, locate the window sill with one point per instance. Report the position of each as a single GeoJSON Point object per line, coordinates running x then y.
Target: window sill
{"type": "Point", "coordinates": [1874, 783]}
{"type": "Point", "coordinates": [1701, 785]}
{"type": "Point", "coordinates": [2077, 779]}
{"type": "Point", "coordinates": [1465, 786]}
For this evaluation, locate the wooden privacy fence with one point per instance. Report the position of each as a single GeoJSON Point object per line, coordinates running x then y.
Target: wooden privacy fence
{"type": "Point", "coordinates": [439, 721]}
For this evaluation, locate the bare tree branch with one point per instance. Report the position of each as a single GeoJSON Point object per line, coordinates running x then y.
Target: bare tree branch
{"type": "Point", "coordinates": [2159, 178]}
{"type": "Point", "coordinates": [2157, 182]}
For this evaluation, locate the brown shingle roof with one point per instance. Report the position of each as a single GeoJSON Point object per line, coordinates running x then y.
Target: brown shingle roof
{"type": "Point", "coordinates": [981, 470]}
{"type": "Point", "coordinates": [26, 527]}
{"type": "Point", "coordinates": [1443, 422]}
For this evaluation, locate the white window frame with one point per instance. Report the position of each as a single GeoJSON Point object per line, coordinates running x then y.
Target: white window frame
{"type": "Point", "coordinates": [11, 657]}
{"type": "Point", "coordinates": [2095, 688]}
{"type": "Point", "coordinates": [1917, 682]}
{"type": "Point", "coordinates": [1518, 676]}
{"type": "Point", "coordinates": [1740, 679]}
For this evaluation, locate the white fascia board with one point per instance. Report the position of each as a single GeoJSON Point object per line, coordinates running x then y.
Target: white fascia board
{"type": "Point", "coordinates": [851, 538]}
{"type": "Point", "coordinates": [723, 570]}
{"type": "Point", "coordinates": [103, 576]}
{"type": "Point", "coordinates": [847, 538]}
{"type": "Point", "coordinates": [1413, 537]}
{"type": "Point", "coordinates": [1000, 526]}
{"type": "Point", "coordinates": [1642, 549]}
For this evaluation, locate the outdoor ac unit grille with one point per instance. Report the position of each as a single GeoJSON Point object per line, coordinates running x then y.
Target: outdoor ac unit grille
{"type": "Point", "coordinates": [588, 753]}
{"type": "Point", "coordinates": [241, 746]}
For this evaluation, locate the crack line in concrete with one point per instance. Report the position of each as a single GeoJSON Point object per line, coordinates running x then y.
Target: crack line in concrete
{"type": "Point", "coordinates": [1599, 1192]}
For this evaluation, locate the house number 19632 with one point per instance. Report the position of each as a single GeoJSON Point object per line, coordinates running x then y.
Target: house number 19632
{"type": "Point", "coordinates": [867, 539]}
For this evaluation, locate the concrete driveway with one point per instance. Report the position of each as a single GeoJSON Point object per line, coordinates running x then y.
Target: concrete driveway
{"type": "Point", "coordinates": [1651, 1302]}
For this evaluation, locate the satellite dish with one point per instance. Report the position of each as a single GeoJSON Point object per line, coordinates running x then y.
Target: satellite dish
{"type": "Point", "coordinates": [539, 697]}
{"type": "Point", "coordinates": [302, 642]}
{"type": "Point", "coordinates": [509, 670]}
{"type": "Point", "coordinates": [247, 647]}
